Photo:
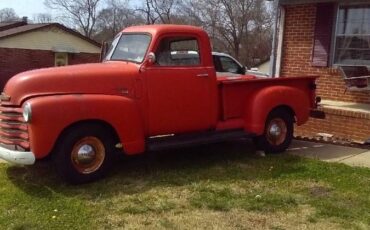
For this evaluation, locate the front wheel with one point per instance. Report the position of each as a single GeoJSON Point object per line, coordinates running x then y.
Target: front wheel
{"type": "Point", "coordinates": [83, 153]}
{"type": "Point", "coordinates": [278, 133]}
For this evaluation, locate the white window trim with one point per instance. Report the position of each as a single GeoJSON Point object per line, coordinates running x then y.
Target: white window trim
{"type": "Point", "coordinates": [55, 58]}
{"type": "Point", "coordinates": [334, 36]}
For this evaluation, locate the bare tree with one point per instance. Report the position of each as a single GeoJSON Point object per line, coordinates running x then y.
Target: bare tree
{"type": "Point", "coordinates": [164, 9]}
{"type": "Point", "coordinates": [205, 13]}
{"type": "Point", "coordinates": [116, 16]}
{"type": "Point", "coordinates": [238, 27]}
{"type": "Point", "coordinates": [82, 13]}
{"type": "Point", "coordinates": [42, 18]}
{"type": "Point", "coordinates": [257, 45]}
{"type": "Point", "coordinates": [241, 28]}
{"type": "Point", "coordinates": [237, 16]}
{"type": "Point", "coordinates": [147, 12]}
{"type": "Point", "coordinates": [158, 11]}
{"type": "Point", "coordinates": [8, 14]}
{"type": "Point", "coordinates": [226, 20]}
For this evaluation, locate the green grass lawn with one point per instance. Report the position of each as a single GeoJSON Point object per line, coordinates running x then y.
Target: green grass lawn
{"type": "Point", "coordinates": [223, 186]}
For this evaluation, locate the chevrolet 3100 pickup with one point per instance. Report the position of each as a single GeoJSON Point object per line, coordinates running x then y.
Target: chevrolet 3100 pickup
{"type": "Point", "coordinates": [156, 88]}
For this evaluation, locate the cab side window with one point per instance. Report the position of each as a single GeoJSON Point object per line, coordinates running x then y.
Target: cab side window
{"type": "Point", "coordinates": [229, 65]}
{"type": "Point", "coordinates": [217, 63]}
{"type": "Point", "coordinates": [178, 51]}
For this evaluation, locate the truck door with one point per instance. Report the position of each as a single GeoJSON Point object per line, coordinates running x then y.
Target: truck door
{"type": "Point", "coordinates": [181, 91]}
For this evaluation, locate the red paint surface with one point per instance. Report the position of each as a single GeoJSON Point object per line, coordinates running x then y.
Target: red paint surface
{"type": "Point", "coordinates": [142, 100]}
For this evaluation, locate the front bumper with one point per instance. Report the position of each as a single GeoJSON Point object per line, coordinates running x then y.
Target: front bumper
{"type": "Point", "coordinates": [17, 157]}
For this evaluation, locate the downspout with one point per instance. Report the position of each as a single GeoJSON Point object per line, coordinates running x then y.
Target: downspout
{"type": "Point", "coordinates": [275, 31]}
{"type": "Point", "coordinates": [280, 42]}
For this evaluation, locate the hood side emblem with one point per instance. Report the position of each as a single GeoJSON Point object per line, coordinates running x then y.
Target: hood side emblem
{"type": "Point", "coordinates": [123, 91]}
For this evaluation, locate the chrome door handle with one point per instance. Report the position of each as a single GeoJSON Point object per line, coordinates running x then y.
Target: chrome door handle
{"type": "Point", "coordinates": [203, 75]}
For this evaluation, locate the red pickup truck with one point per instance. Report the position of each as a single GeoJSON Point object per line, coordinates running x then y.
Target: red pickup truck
{"type": "Point", "coordinates": [155, 89]}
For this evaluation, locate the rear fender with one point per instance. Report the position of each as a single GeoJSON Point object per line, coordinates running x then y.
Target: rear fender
{"type": "Point", "coordinates": [273, 97]}
{"type": "Point", "coordinates": [52, 114]}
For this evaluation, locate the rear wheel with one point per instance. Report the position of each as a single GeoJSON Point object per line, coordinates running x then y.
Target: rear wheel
{"type": "Point", "coordinates": [278, 133]}
{"type": "Point", "coordinates": [84, 153]}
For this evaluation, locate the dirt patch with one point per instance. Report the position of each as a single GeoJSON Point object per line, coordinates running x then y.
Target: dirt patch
{"type": "Point", "coordinates": [320, 191]}
{"type": "Point", "coordinates": [234, 219]}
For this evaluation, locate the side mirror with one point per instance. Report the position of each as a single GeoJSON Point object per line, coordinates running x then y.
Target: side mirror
{"type": "Point", "coordinates": [104, 50]}
{"type": "Point", "coordinates": [243, 70]}
{"type": "Point", "coordinates": [151, 58]}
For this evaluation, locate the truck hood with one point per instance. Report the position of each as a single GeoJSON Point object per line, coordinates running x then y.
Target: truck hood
{"type": "Point", "coordinates": [110, 78]}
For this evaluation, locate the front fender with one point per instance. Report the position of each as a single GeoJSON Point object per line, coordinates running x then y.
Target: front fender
{"type": "Point", "coordinates": [272, 97]}
{"type": "Point", "coordinates": [52, 114]}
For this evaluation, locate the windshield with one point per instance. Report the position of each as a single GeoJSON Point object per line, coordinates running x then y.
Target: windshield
{"type": "Point", "coordinates": [129, 47]}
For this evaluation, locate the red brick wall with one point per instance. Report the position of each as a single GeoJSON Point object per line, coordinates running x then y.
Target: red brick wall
{"type": "Point", "coordinates": [14, 61]}
{"type": "Point", "coordinates": [297, 55]}
{"type": "Point", "coordinates": [81, 58]}
{"type": "Point", "coordinates": [343, 125]}
{"type": "Point", "coordinates": [296, 61]}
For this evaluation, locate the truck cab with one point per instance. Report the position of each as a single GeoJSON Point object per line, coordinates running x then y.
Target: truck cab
{"type": "Point", "coordinates": [155, 89]}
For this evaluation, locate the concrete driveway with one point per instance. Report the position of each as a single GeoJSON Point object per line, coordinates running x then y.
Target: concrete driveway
{"type": "Point", "coordinates": [331, 153]}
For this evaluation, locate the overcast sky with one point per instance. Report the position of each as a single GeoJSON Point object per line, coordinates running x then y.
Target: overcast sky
{"type": "Point", "coordinates": [25, 7]}
{"type": "Point", "coordinates": [31, 7]}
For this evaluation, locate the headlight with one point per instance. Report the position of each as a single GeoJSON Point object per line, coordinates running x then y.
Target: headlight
{"type": "Point", "coordinates": [27, 112]}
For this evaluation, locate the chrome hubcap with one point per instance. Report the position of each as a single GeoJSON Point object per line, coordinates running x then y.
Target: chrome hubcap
{"type": "Point", "coordinates": [276, 131]}
{"type": "Point", "coordinates": [86, 154]}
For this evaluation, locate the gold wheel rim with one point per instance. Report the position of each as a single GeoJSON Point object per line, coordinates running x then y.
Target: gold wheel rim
{"type": "Point", "coordinates": [88, 155]}
{"type": "Point", "coordinates": [276, 131]}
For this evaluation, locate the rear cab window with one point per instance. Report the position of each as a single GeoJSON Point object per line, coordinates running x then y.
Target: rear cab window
{"type": "Point", "coordinates": [178, 51]}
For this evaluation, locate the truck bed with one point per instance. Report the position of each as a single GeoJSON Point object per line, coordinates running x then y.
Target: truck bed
{"type": "Point", "coordinates": [235, 93]}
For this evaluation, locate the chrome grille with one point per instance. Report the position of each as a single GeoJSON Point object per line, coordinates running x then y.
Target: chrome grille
{"type": "Point", "coordinates": [13, 129]}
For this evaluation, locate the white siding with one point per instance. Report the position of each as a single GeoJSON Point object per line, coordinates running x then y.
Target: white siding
{"type": "Point", "coordinates": [51, 38]}
{"type": "Point", "coordinates": [264, 67]}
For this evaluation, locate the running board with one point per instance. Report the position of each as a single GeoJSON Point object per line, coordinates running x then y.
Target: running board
{"type": "Point", "coordinates": [187, 140]}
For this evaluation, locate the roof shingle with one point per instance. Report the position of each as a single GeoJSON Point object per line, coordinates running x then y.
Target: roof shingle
{"type": "Point", "coordinates": [9, 25]}
{"type": "Point", "coordinates": [21, 29]}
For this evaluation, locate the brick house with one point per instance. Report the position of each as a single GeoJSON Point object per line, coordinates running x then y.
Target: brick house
{"type": "Point", "coordinates": [26, 46]}
{"type": "Point", "coordinates": [331, 39]}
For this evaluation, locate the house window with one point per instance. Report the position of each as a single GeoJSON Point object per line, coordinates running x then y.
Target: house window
{"type": "Point", "coordinates": [353, 35]}
{"type": "Point", "coordinates": [61, 59]}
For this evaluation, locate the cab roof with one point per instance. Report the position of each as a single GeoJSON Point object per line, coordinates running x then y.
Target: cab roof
{"type": "Point", "coordinates": [162, 29]}
{"type": "Point", "coordinates": [157, 31]}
